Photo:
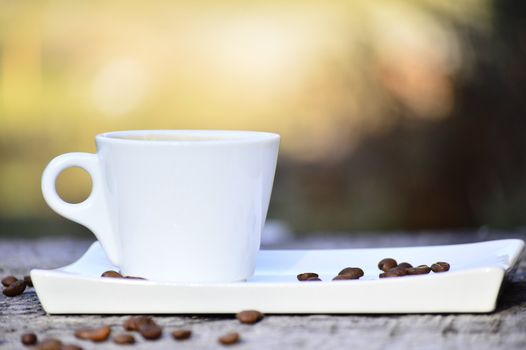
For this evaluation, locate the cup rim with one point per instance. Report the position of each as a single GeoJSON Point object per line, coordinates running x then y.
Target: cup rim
{"type": "Point", "coordinates": [217, 136]}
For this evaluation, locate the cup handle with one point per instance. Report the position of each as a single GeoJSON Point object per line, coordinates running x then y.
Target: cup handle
{"type": "Point", "coordinates": [92, 212]}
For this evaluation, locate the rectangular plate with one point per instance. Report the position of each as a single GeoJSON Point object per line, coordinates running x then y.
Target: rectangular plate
{"type": "Point", "coordinates": [472, 284]}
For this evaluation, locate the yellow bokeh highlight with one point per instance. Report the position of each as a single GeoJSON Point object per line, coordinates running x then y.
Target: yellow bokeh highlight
{"type": "Point", "coordinates": [322, 74]}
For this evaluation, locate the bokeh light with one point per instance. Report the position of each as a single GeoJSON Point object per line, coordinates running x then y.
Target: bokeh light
{"type": "Point", "coordinates": [330, 77]}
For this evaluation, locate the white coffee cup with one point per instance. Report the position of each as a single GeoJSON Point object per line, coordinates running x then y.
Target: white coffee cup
{"type": "Point", "coordinates": [174, 205]}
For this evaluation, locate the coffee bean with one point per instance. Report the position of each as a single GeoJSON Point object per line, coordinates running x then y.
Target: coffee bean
{"type": "Point", "coordinates": [425, 268]}
{"type": "Point", "coordinates": [133, 323]}
{"type": "Point", "coordinates": [50, 344]}
{"type": "Point", "coordinates": [440, 266]}
{"type": "Point", "coordinates": [229, 338]}
{"type": "Point", "coordinates": [405, 265]}
{"type": "Point", "coordinates": [28, 280]}
{"type": "Point", "coordinates": [249, 316]}
{"type": "Point", "coordinates": [353, 272]}
{"type": "Point", "coordinates": [387, 264]}
{"type": "Point", "coordinates": [343, 278]}
{"type": "Point", "coordinates": [15, 288]}
{"type": "Point", "coordinates": [94, 334]}
{"type": "Point", "coordinates": [419, 270]}
{"type": "Point", "coordinates": [130, 324]}
{"type": "Point", "coordinates": [312, 279]}
{"type": "Point", "coordinates": [111, 274]}
{"type": "Point", "coordinates": [150, 331]}
{"type": "Point", "coordinates": [394, 272]}
{"type": "Point", "coordinates": [8, 280]}
{"type": "Point", "coordinates": [400, 271]}
{"type": "Point", "coordinates": [414, 271]}
{"type": "Point", "coordinates": [70, 347]}
{"type": "Point", "coordinates": [123, 339]}
{"type": "Point", "coordinates": [181, 334]}
{"type": "Point", "coordinates": [28, 338]}
{"type": "Point", "coordinates": [306, 275]}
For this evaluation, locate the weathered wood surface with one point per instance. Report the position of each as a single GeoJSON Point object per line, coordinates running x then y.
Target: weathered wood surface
{"type": "Point", "coordinates": [503, 329]}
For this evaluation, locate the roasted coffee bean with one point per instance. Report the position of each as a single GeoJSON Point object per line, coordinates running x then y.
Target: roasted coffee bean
{"type": "Point", "coordinates": [425, 268]}
{"type": "Point", "coordinates": [28, 338]}
{"type": "Point", "coordinates": [414, 271]}
{"type": "Point", "coordinates": [400, 271]}
{"type": "Point", "coordinates": [111, 274]}
{"type": "Point", "coordinates": [394, 272]}
{"type": "Point", "coordinates": [28, 280]}
{"type": "Point", "coordinates": [70, 347]}
{"type": "Point", "coordinates": [312, 279]}
{"type": "Point", "coordinates": [50, 344]}
{"type": "Point", "coordinates": [8, 280]}
{"type": "Point", "coordinates": [353, 272]}
{"type": "Point", "coordinates": [144, 320]}
{"type": "Point", "coordinates": [440, 266]}
{"type": "Point", "coordinates": [343, 278]}
{"type": "Point", "coordinates": [229, 338]}
{"type": "Point", "coordinates": [181, 334]}
{"type": "Point", "coordinates": [306, 275]}
{"type": "Point", "coordinates": [249, 316]}
{"type": "Point", "coordinates": [419, 270]}
{"type": "Point", "coordinates": [387, 264]}
{"type": "Point", "coordinates": [135, 278]}
{"type": "Point", "coordinates": [133, 323]}
{"type": "Point", "coordinates": [15, 288]}
{"type": "Point", "coordinates": [124, 339]}
{"type": "Point", "coordinates": [130, 324]}
{"type": "Point", "coordinates": [150, 331]}
{"type": "Point", "coordinates": [94, 334]}
{"type": "Point", "coordinates": [405, 265]}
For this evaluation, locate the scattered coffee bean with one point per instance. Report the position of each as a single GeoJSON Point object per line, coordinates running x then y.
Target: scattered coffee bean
{"type": "Point", "coordinates": [135, 278]}
{"type": "Point", "coordinates": [111, 274]}
{"type": "Point", "coordinates": [133, 323]}
{"type": "Point", "coordinates": [424, 267]}
{"type": "Point", "coordinates": [181, 334]}
{"type": "Point", "coordinates": [440, 267]}
{"type": "Point", "coordinates": [15, 288]}
{"type": "Point", "coordinates": [124, 339]}
{"type": "Point", "coordinates": [94, 334]}
{"type": "Point", "coordinates": [306, 275]}
{"type": "Point", "coordinates": [150, 331]}
{"type": "Point", "coordinates": [70, 347]}
{"type": "Point", "coordinates": [29, 338]}
{"type": "Point", "coordinates": [405, 265]}
{"type": "Point", "coordinates": [394, 272]}
{"type": "Point", "coordinates": [144, 320]}
{"type": "Point", "coordinates": [8, 280]}
{"type": "Point", "coordinates": [353, 272]}
{"type": "Point", "coordinates": [28, 280]}
{"type": "Point", "coordinates": [229, 338]}
{"type": "Point", "coordinates": [312, 279]}
{"type": "Point", "coordinates": [249, 316]}
{"type": "Point", "coordinates": [387, 264]}
{"type": "Point", "coordinates": [343, 278]}
{"type": "Point", "coordinates": [130, 324]}
{"type": "Point", "coordinates": [400, 271]}
{"type": "Point", "coordinates": [50, 344]}
{"type": "Point", "coordinates": [419, 270]}
{"type": "Point", "coordinates": [414, 271]}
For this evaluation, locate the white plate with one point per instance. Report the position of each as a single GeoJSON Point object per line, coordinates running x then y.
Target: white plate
{"type": "Point", "coordinates": [472, 284]}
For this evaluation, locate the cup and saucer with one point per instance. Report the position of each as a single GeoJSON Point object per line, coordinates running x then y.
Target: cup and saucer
{"type": "Point", "coordinates": [184, 209]}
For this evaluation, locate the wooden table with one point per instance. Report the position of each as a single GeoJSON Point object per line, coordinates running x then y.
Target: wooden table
{"type": "Point", "coordinates": [502, 329]}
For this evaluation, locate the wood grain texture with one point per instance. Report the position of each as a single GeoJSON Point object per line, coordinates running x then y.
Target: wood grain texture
{"type": "Point", "coordinates": [503, 329]}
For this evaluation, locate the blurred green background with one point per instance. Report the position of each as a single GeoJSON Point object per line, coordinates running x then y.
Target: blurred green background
{"type": "Point", "coordinates": [393, 114]}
